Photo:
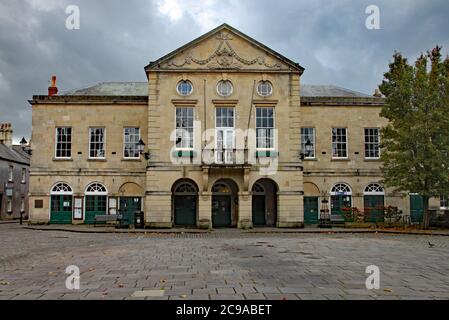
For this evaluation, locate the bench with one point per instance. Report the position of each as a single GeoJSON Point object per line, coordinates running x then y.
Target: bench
{"type": "Point", "coordinates": [107, 218]}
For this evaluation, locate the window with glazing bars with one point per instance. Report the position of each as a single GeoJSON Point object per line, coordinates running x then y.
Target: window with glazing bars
{"type": "Point", "coordinates": [339, 143]}
{"type": "Point", "coordinates": [63, 142]}
{"type": "Point", "coordinates": [265, 128]}
{"type": "Point", "coordinates": [184, 128]}
{"type": "Point", "coordinates": [372, 138]}
{"type": "Point", "coordinates": [97, 143]}
{"type": "Point", "coordinates": [131, 138]}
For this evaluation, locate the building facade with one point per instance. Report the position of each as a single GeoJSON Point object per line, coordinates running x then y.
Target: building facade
{"type": "Point", "coordinates": [14, 176]}
{"type": "Point", "coordinates": [223, 134]}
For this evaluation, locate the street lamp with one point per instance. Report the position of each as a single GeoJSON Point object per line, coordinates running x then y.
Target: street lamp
{"type": "Point", "coordinates": [141, 147]}
{"type": "Point", "coordinates": [307, 151]}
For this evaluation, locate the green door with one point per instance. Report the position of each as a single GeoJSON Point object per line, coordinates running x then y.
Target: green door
{"type": "Point", "coordinates": [61, 209]}
{"type": "Point", "coordinates": [128, 207]}
{"type": "Point", "coordinates": [338, 203]}
{"type": "Point", "coordinates": [185, 210]}
{"type": "Point", "coordinates": [375, 204]}
{"type": "Point", "coordinates": [311, 210]}
{"type": "Point", "coordinates": [221, 211]}
{"type": "Point", "coordinates": [259, 212]}
{"type": "Point", "coordinates": [416, 208]}
{"type": "Point", "coordinates": [95, 205]}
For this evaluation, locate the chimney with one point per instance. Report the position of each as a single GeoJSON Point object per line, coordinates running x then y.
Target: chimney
{"type": "Point", "coordinates": [377, 94]}
{"type": "Point", "coordinates": [52, 89]}
{"type": "Point", "coordinates": [6, 134]}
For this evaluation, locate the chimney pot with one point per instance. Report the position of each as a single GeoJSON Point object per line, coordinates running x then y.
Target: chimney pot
{"type": "Point", "coordinates": [52, 89]}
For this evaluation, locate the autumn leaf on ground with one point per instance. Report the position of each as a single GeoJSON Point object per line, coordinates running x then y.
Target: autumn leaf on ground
{"type": "Point", "coordinates": [4, 283]}
{"type": "Point", "coordinates": [388, 290]}
{"type": "Point", "coordinates": [120, 285]}
{"type": "Point", "coordinates": [183, 296]}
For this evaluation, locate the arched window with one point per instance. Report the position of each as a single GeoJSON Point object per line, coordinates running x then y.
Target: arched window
{"type": "Point", "coordinates": [61, 188]}
{"type": "Point", "coordinates": [258, 189]}
{"type": "Point", "coordinates": [374, 189]}
{"type": "Point", "coordinates": [221, 188]}
{"type": "Point", "coordinates": [96, 189]}
{"type": "Point", "coordinates": [185, 188]}
{"type": "Point", "coordinates": [341, 189]}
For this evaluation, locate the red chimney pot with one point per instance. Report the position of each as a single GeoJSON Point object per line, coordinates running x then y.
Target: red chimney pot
{"type": "Point", "coordinates": [52, 89]}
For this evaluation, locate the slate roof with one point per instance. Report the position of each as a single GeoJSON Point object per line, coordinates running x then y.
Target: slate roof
{"type": "Point", "coordinates": [14, 154]}
{"type": "Point", "coordinates": [141, 89]}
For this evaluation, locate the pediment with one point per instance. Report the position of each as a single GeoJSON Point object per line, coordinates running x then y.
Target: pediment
{"type": "Point", "coordinates": [224, 48]}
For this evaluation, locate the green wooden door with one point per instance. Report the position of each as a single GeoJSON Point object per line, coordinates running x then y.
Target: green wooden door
{"type": "Point", "coordinates": [221, 211]}
{"type": "Point", "coordinates": [95, 205]}
{"type": "Point", "coordinates": [61, 209]}
{"type": "Point", "coordinates": [128, 207]}
{"type": "Point", "coordinates": [311, 210]}
{"type": "Point", "coordinates": [338, 203]}
{"type": "Point", "coordinates": [185, 210]}
{"type": "Point", "coordinates": [259, 211]}
{"type": "Point", "coordinates": [416, 208]}
{"type": "Point", "coordinates": [375, 204]}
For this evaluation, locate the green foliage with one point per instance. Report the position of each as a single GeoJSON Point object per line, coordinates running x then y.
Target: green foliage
{"type": "Point", "coordinates": [415, 144]}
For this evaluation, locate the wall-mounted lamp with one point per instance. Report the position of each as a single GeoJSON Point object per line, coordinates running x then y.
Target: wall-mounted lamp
{"type": "Point", "coordinates": [142, 150]}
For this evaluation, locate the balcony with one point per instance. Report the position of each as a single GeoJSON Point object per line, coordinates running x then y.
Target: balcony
{"type": "Point", "coordinates": [226, 157]}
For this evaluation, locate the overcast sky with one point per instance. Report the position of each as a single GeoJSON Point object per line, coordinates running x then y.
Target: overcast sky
{"type": "Point", "coordinates": [118, 38]}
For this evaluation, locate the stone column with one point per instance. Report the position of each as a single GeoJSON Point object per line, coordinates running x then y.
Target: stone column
{"type": "Point", "coordinates": [205, 210]}
{"type": "Point", "coordinates": [245, 218]}
{"type": "Point", "coordinates": [290, 210]}
{"type": "Point", "coordinates": [158, 213]}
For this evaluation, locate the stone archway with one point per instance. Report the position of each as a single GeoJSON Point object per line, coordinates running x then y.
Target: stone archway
{"type": "Point", "coordinates": [264, 203]}
{"type": "Point", "coordinates": [185, 203]}
{"type": "Point", "coordinates": [224, 204]}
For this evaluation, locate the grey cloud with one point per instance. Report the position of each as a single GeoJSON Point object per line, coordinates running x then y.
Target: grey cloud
{"type": "Point", "coordinates": [117, 39]}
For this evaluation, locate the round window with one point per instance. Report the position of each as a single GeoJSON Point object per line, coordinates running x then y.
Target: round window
{"type": "Point", "coordinates": [225, 88]}
{"type": "Point", "coordinates": [264, 88]}
{"type": "Point", "coordinates": [184, 88]}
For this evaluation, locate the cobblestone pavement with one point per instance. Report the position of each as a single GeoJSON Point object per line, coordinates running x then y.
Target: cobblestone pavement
{"type": "Point", "coordinates": [226, 264]}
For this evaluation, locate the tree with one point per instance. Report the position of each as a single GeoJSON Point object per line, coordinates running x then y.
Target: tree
{"type": "Point", "coordinates": [415, 143]}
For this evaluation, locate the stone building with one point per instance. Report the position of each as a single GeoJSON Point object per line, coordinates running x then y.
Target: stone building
{"type": "Point", "coordinates": [223, 134]}
{"type": "Point", "coordinates": [14, 176]}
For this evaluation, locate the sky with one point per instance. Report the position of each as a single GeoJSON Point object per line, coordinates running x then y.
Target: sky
{"type": "Point", "coordinates": [117, 39]}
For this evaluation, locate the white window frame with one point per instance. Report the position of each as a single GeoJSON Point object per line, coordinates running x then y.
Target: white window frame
{"type": "Point", "coordinates": [227, 153]}
{"type": "Point", "coordinates": [346, 143]}
{"type": "Point", "coordinates": [261, 83]}
{"type": "Point", "coordinates": [369, 143]}
{"type": "Point", "coordinates": [180, 93]}
{"type": "Point", "coordinates": [313, 142]}
{"type": "Point", "coordinates": [137, 143]}
{"type": "Point", "coordinates": [24, 175]}
{"type": "Point", "coordinates": [193, 129]}
{"type": "Point", "coordinates": [374, 193]}
{"type": "Point", "coordinates": [56, 142]}
{"type": "Point", "coordinates": [230, 93]}
{"type": "Point", "coordinates": [273, 148]}
{"type": "Point", "coordinates": [446, 200]}
{"type": "Point", "coordinates": [9, 206]}
{"type": "Point", "coordinates": [104, 142]}
{"type": "Point", "coordinates": [11, 174]}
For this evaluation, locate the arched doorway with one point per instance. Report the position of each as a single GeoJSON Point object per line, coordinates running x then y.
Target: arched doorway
{"type": "Point", "coordinates": [264, 203]}
{"type": "Point", "coordinates": [373, 200]}
{"type": "Point", "coordinates": [224, 204]}
{"type": "Point", "coordinates": [185, 203]}
{"type": "Point", "coordinates": [130, 199]}
{"type": "Point", "coordinates": [96, 198]}
{"type": "Point", "coordinates": [341, 200]}
{"type": "Point", "coordinates": [61, 197]}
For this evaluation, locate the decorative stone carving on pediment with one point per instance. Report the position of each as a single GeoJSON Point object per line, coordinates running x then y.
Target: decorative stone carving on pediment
{"type": "Point", "coordinates": [224, 57]}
